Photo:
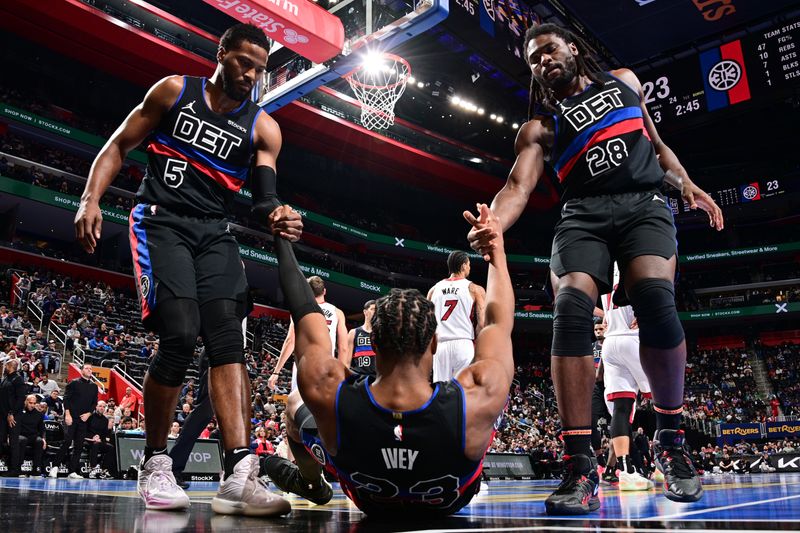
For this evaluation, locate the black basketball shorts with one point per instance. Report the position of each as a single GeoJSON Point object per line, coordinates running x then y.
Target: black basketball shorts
{"type": "Point", "coordinates": [194, 258]}
{"type": "Point", "coordinates": [595, 231]}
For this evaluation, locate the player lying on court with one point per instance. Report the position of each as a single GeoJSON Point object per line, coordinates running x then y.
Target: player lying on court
{"type": "Point", "coordinates": [398, 444]}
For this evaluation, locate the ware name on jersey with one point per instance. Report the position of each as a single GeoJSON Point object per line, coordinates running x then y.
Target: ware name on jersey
{"type": "Point", "coordinates": [455, 309]}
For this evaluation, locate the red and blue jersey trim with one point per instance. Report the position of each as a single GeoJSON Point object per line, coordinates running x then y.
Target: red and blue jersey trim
{"type": "Point", "coordinates": [229, 176]}
{"type": "Point", "coordinates": [361, 351]}
{"type": "Point", "coordinates": [618, 122]}
{"type": "Point", "coordinates": [142, 266]}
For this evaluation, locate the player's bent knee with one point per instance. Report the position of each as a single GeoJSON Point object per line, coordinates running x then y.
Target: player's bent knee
{"type": "Point", "coordinates": [222, 333]}
{"type": "Point", "coordinates": [572, 323]}
{"type": "Point", "coordinates": [620, 421]}
{"type": "Point", "coordinates": [175, 354]}
{"type": "Point", "coordinates": [653, 303]}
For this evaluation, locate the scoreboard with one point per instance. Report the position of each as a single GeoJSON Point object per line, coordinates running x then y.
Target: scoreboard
{"type": "Point", "coordinates": [751, 68]}
{"type": "Point", "coordinates": [749, 190]}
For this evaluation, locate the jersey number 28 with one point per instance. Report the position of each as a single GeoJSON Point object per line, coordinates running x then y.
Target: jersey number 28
{"type": "Point", "coordinates": [602, 157]}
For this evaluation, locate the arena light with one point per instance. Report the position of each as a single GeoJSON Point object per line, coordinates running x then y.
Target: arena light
{"type": "Point", "coordinates": [481, 111]}
{"type": "Point", "coordinates": [493, 116]}
{"type": "Point", "coordinates": [420, 84]}
{"type": "Point", "coordinates": [515, 126]}
{"type": "Point", "coordinates": [412, 80]}
{"type": "Point", "coordinates": [373, 62]}
{"type": "Point", "coordinates": [455, 100]}
{"type": "Point", "coordinates": [500, 119]}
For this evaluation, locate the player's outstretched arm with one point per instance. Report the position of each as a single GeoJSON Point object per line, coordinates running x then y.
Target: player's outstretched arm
{"type": "Point", "coordinates": [347, 357]}
{"type": "Point", "coordinates": [318, 374]}
{"type": "Point", "coordinates": [676, 175]}
{"type": "Point", "coordinates": [140, 122]}
{"type": "Point", "coordinates": [510, 202]}
{"type": "Point", "coordinates": [286, 350]}
{"type": "Point", "coordinates": [487, 380]}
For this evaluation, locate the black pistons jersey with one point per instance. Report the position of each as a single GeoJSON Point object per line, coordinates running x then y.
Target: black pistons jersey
{"type": "Point", "coordinates": [198, 159]}
{"type": "Point", "coordinates": [597, 352]}
{"type": "Point", "coordinates": [398, 462]}
{"type": "Point", "coordinates": [601, 144]}
{"type": "Point", "coordinates": [363, 361]}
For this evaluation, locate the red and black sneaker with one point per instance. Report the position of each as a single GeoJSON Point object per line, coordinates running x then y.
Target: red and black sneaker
{"type": "Point", "coordinates": [577, 493]}
{"type": "Point", "coordinates": [681, 481]}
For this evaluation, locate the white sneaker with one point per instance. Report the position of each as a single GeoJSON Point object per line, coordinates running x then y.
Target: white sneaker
{"type": "Point", "coordinates": [245, 493]}
{"type": "Point", "coordinates": [53, 472]}
{"type": "Point", "coordinates": [74, 475]}
{"type": "Point", "coordinates": [94, 473]}
{"type": "Point", "coordinates": [157, 487]}
{"type": "Point", "coordinates": [634, 481]}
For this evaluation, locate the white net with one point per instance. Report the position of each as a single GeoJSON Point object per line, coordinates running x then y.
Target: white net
{"type": "Point", "coordinates": [378, 83]}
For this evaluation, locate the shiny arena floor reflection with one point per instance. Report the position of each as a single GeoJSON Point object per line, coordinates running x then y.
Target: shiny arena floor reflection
{"type": "Point", "coordinates": [758, 502]}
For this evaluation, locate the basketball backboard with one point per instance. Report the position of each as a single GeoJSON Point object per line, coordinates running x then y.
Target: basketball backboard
{"type": "Point", "coordinates": [370, 25]}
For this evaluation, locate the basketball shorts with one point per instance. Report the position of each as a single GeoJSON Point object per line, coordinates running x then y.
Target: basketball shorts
{"type": "Point", "coordinates": [451, 357]}
{"type": "Point", "coordinates": [595, 231]}
{"type": "Point", "coordinates": [624, 377]}
{"type": "Point", "coordinates": [193, 257]}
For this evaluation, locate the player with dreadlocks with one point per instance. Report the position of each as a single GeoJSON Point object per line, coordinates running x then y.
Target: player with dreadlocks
{"type": "Point", "coordinates": [594, 129]}
{"type": "Point", "coordinates": [399, 445]}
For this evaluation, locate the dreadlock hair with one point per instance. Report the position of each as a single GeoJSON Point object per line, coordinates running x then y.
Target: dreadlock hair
{"type": "Point", "coordinates": [456, 260]}
{"type": "Point", "coordinates": [237, 33]}
{"type": "Point", "coordinates": [403, 324]}
{"type": "Point", "coordinates": [587, 65]}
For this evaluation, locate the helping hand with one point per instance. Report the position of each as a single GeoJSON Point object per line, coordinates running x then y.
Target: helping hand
{"type": "Point", "coordinates": [486, 235]}
{"type": "Point", "coordinates": [286, 223]}
{"type": "Point", "coordinates": [697, 197]}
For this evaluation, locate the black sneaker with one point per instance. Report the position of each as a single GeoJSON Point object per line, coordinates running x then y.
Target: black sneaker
{"type": "Point", "coordinates": [609, 477]}
{"type": "Point", "coordinates": [286, 476]}
{"type": "Point", "coordinates": [681, 481]}
{"type": "Point", "coordinates": [180, 481]}
{"type": "Point", "coordinates": [577, 493]}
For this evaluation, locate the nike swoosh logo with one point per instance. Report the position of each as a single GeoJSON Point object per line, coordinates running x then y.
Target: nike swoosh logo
{"type": "Point", "coordinates": [656, 198]}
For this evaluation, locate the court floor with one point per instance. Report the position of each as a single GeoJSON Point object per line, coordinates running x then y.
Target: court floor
{"type": "Point", "coordinates": [746, 503]}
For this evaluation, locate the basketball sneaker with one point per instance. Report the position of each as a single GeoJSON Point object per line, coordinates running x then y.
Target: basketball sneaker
{"type": "Point", "coordinates": [286, 476]}
{"type": "Point", "coordinates": [577, 493]}
{"type": "Point", "coordinates": [156, 485]}
{"type": "Point", "coordinates": [658, 476]}
{"type": "Point", "coordinates": [609, 477]}
{"type": "Point", "coordinates": [633, 481]}
{"type": "Point", "coordinates": [681, 481]}
{"type": "Point", "coordinates": [245, 493]}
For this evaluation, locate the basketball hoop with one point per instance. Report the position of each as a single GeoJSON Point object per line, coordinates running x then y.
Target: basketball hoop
{"type": "Point", "coordinates": [378, 83]}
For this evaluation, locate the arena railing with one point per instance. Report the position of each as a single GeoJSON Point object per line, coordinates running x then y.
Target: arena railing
{"type": "Point", "coordinates": [36, 312]}
{"type": "Point", "coordinates": [124, 374]}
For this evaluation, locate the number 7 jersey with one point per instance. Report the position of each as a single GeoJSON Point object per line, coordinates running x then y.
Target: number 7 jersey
{"type": "Point", "coordinates": [601, 145]}
{"type": "Point", "coordinates": [455, 309]}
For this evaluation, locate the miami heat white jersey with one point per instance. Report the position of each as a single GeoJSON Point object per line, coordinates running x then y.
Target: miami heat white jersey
{"type": "Point", "coordinates": [332, 319]}
{"type": "Point", "coordinates": [454, 309]}
{"type": "Point", "coordinates": [618, 319]}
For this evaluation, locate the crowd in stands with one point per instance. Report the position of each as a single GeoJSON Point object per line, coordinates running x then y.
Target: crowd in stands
{"type": "Point", "coordinates": [783, 368]}
{"type": "Point", "coordinates": [102, 324]}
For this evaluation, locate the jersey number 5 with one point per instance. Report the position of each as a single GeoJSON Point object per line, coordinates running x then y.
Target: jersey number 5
{"type": "Point", "coordinates": [451, 306]}
{"type": "Point", "coordinates": [173, 172]}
